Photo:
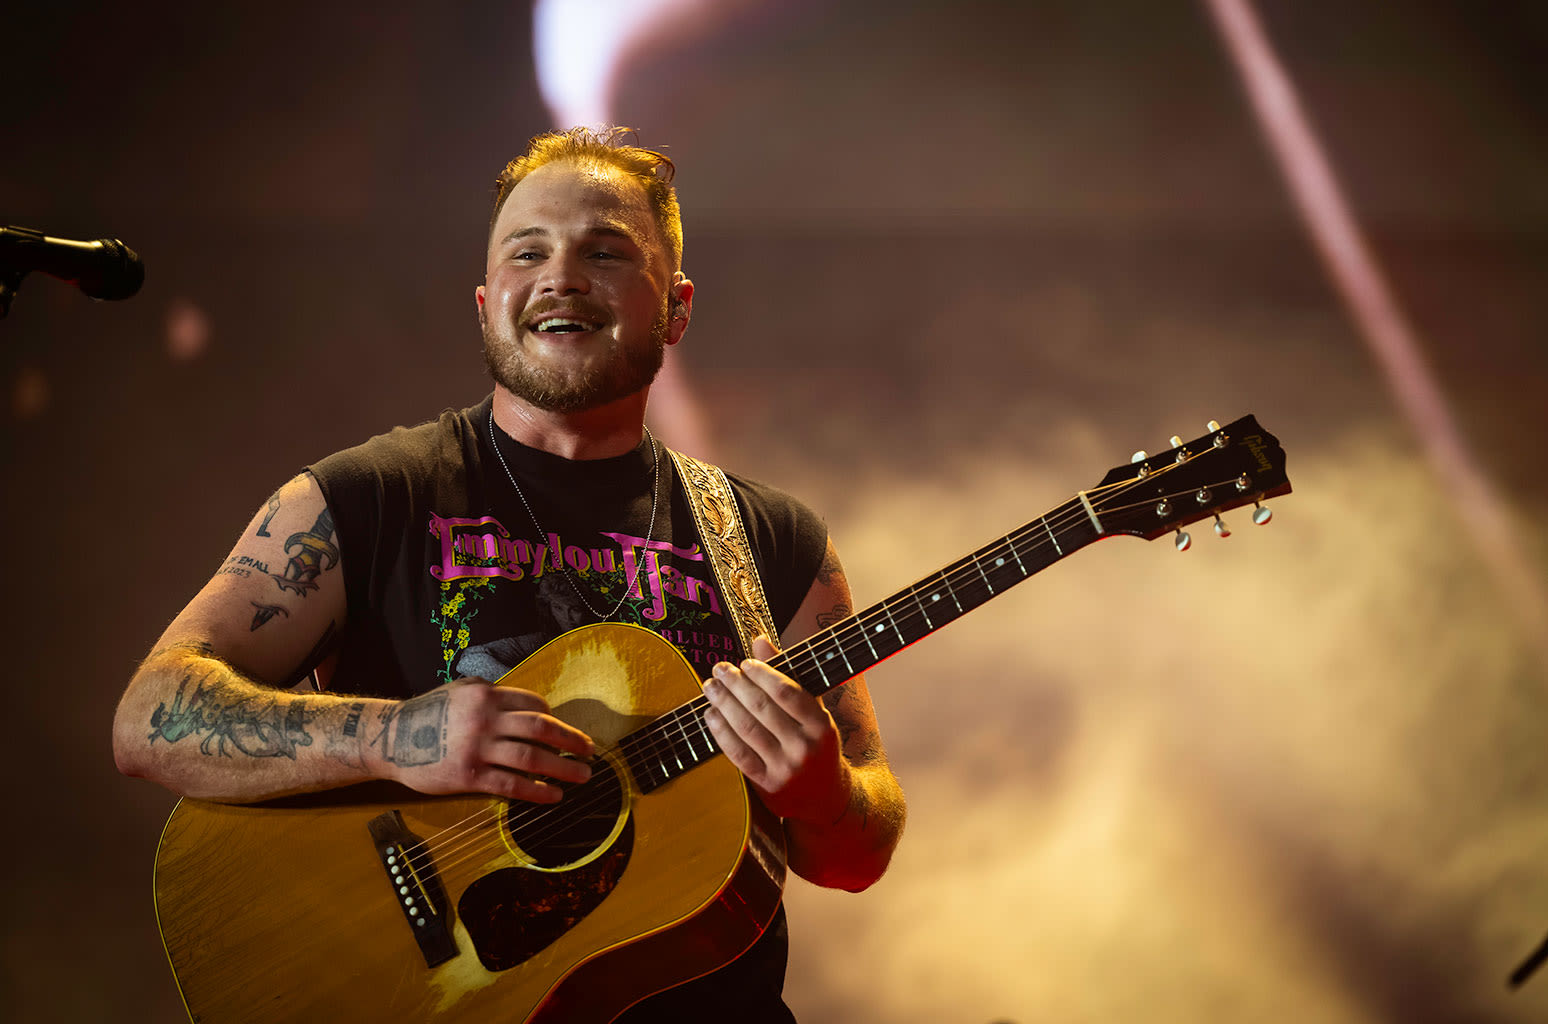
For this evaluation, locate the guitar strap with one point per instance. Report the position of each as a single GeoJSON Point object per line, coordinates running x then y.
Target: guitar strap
{"type": "Point", "coordinates": [720, 525]}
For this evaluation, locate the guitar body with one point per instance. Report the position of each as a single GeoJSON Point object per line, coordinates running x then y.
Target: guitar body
{"type": "Point", "coordinates": [285, 911]}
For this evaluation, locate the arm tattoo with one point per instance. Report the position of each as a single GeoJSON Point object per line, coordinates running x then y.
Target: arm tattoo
{"type": "Point", "coordinates": [257, 725]}
{"type": "Point", "coordinates": [263, 527]}
{"type": "Point", "coordinates": [840, 612]}
{"type": "Point", "coordinates": [414, 732]}
{"type": "Point", "coordinates": [242, 565]}
{"type": "Point", "coordinates": [264, 613]}
{"type": "Point", "coordinates": [830, 569]}
{"type": "Point", "coordinates": [860, 743]}
{"type": "Point", "coordinates": [314, 553]}
{"type": "Point", "coordinates": [347, 744]}
{"type": "Point", "coordinates": [842, 609]}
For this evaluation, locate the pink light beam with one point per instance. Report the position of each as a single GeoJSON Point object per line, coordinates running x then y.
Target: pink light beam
{"type": "Point", "coordinates": [578, 49]}
{"type": "Point", "coordinates": [1365, 292]}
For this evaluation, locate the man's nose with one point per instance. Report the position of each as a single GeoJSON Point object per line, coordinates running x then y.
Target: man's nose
{"type": "Point", "coordinates": [564, 274]}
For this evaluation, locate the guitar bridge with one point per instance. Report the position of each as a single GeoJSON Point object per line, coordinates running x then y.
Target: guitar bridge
{"type": "Point", "coordinates": [416, 888]}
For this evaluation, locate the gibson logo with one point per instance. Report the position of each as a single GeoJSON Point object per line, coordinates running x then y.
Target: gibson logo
{"type": "Point", "coordinates": [1254, 443]}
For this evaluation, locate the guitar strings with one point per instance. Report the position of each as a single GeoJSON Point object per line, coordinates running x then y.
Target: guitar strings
{"type": "Point", "coordinates": [658, 732]}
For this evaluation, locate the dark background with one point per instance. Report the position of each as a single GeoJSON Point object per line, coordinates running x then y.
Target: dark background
{"type": "Point", "coordinates": [953, 262]}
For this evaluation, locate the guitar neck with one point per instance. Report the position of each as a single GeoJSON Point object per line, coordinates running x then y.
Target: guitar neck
{"type": "Point", "coordinates": [832, 657]}
{"type": "Point", "coordinates": [825, 661]}
{"type": "Point", "coordinates": [1227, 468]}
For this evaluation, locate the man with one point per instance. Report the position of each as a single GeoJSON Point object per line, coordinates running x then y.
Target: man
{"type": "Point", "coordinates": [429, 552]}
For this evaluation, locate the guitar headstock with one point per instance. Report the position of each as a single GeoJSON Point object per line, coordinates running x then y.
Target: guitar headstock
{"type": "Point", "coordinates": [1231, 466]}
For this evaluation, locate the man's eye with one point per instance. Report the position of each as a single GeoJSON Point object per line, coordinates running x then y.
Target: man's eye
{"type": "Point", "coordinates": [526, 255]}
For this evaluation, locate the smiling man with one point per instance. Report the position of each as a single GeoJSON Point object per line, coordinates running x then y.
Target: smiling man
{"type": "Point", "coordinates": [581, 285]}
{"type": "Point", "coordinates": [411, 570]}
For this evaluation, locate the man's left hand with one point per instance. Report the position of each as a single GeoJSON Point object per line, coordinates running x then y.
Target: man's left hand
{"type": "Point", "coordinates": [779, 736]}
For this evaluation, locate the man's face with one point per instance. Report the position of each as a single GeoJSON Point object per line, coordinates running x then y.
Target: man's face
{"type": "Point", "coordinates": [576, 303]}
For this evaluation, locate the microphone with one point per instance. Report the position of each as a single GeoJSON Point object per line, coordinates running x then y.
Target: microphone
{"type": "Point", "coordinates": [103, 269]}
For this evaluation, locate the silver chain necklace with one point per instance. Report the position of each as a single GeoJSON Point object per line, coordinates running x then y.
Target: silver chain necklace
{"type": "Point", "coordinates": [655, 496]}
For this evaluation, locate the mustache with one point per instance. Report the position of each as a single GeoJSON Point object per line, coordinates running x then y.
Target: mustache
{"type": "Point", "coordinates": [575, 306]}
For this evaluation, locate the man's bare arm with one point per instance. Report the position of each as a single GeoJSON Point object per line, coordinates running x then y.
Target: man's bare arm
{"type": "Point", "coordinates": [206, 714]}
{"type": "Point", "coordinates": [818, 764]}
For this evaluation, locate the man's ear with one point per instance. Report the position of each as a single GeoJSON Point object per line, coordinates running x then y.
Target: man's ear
{"type": "Point", "coordinates": [681, 308]}
{"type": "Point", "coordinates": [478, 295]}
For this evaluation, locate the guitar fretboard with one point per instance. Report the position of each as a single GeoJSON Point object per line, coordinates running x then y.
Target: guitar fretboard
{"type": "Point", "coordinates": [680, 740]}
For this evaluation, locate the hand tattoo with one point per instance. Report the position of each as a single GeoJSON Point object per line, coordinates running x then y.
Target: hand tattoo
{"type": "Point", "coordinates": [413, 733]}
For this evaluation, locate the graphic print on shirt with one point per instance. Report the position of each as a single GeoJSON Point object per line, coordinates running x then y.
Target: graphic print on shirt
{"type": "Point", "coordinates": [672, 592]}
{"type": "Point", "coordinates": [455, 615]}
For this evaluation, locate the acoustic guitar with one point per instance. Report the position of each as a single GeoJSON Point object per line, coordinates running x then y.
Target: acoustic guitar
{"type": "Point", "coordinates": [375, 902]}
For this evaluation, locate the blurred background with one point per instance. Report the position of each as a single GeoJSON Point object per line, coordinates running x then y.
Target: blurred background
{"type": "Point", "coordinates": [954, 262]}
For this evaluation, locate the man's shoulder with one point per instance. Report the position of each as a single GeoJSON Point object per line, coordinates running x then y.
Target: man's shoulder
{"type": "Point", "coordinates": [769, 498]}
{"type": "Point", "coordinates": [404, 453]}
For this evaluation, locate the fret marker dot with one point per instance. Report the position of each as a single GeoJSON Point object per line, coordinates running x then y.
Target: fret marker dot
{"type": "Point", "coordinates": [999, 561]}
{"type": "Point", "coordinates": [935, 597]}
{"type": "Point", "coordinates": [879, 627]}
{"type": "Point", "coordinates": [830, 655]}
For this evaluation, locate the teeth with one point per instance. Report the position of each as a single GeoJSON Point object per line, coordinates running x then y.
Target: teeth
{"type": "Point", "coordinates": [557, 323]}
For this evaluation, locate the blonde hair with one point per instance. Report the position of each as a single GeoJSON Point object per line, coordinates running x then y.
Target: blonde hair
{"type": "Point", "coordinates": [603, 147]}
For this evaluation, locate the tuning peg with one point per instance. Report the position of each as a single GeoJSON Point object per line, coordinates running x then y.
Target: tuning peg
{"type": "Point", "coordinates": [1139, 456]}
{"type": "Point", "coordinates": [1176, 441]}
{"type": "Point", "coordinates": [1212, 426]}
{"type": "Point", "coordinates": [1221, 529]}
{"type": "Point", "coordinates": [1261, 514]}
{"type": "Point", "coordinates": [1183, 541]}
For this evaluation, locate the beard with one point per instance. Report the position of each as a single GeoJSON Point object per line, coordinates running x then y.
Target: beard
{"type": "Point", "coordinates": [628, 367]}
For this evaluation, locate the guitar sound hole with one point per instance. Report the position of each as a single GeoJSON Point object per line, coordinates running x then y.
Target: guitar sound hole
{"type": "Point", "coordinates": [576, 827]}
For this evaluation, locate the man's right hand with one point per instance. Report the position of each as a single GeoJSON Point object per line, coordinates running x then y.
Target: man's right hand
{"type": "Point", "coordinates": [472, 736]}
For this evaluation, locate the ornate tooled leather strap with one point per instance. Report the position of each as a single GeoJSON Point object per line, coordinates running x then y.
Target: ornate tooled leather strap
{"type": "Point", "coordinates": [720, 525]}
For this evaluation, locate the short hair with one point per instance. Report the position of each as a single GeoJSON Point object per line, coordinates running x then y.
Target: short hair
{"type": "Point", "coordinates": [598, 148]}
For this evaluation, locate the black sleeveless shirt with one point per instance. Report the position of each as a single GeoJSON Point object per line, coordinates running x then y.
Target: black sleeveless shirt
{"type": "Point", "coordinates": [449, 573]}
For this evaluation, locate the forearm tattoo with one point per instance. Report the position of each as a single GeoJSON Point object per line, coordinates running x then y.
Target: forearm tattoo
{"type": "Point", "coordinates": [347, 744]}
{"type": "Point", "coordinates": [860, 742]}
{"type": "Point", "coordinates": [413, 733]}
{"type": "Point", "coordinates": [258, 725]}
